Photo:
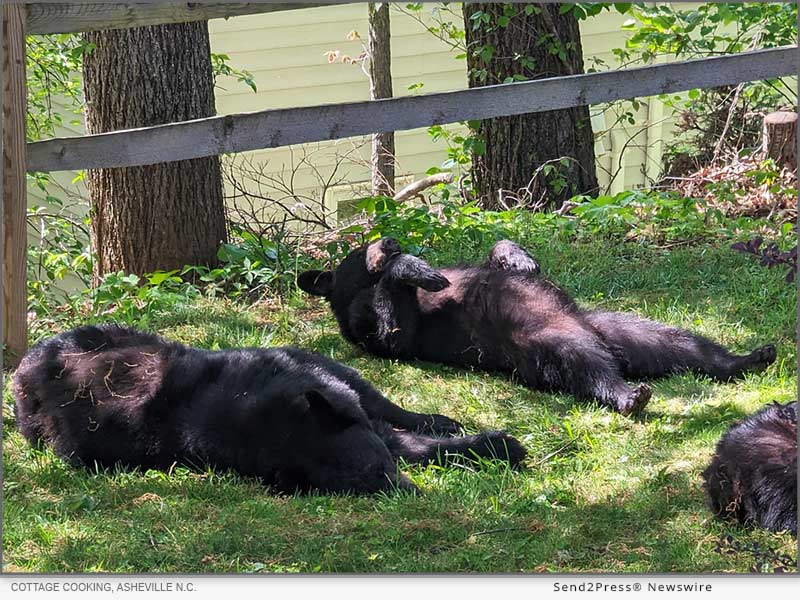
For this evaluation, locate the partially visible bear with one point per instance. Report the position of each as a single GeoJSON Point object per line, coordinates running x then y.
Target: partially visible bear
{"type": "Point", "coordinates": [299, 421]}
{"type": "Point", "coordinates": [502, 316]}
{"type": "Point", "coordinates": [753, 475]}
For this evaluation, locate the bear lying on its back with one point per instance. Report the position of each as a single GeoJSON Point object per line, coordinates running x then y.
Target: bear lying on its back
{"type": "Point", "coordinates": [753, 475]}
{"type": "Point", "coordinates": [502, 316]}
{"type": "Point", "coordinates": [297, 420]}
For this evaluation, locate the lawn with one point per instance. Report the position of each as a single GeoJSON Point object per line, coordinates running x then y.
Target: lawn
{"type": "Point", "coordinates": [599, 492]}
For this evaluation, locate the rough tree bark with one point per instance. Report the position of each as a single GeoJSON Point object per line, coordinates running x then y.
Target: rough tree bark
{"type": "Point", "coordinates": [380, 75]}
{"type": "Point", "coordinates": [160, 216]}
{"type": "Point", "coordinates": [505, 43]}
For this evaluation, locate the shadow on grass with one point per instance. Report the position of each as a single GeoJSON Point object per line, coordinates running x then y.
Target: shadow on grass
{"type": "Point", "coordinates": [219, 522]}
{"type": "Point", "coordinates": [660, 525]}
{"type": "Point", "coordinates": [700, 280]}
{"type": "Point", "coordinates": [650, 527]}
{"type": "Point", "coordinates": [707, 418]}
{"type": "Point", "coordinates": [197, 316]}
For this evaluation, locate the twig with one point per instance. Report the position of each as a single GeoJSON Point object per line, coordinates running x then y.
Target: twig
{"type": "Point", "coordinates": [501, 530]}
{"type": "Point", "coordinates": [678, 243]}
{"type": "Point", "coordinates": [565, 208]}
{"type": "Point", "coordinates": [555, 453]}
{"type": "Point", "coordinates": [727, 125]}
{"type": "Point", "coordinates": [416, 187]}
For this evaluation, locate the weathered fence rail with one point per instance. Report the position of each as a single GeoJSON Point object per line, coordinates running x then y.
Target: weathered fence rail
{"type": "Point", "coordinates": [274, 128]}
{"type": "Point", "coordinates": [57, 17]}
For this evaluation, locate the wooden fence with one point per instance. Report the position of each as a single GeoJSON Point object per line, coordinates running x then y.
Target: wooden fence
{"type": "Point", "coordinates": [54, 17]}
{"type": "Point", "coordinates": [273, 128]}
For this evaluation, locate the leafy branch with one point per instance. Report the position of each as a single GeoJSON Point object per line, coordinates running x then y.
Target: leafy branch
{"type": "Point", "coordinates": [771, 255]}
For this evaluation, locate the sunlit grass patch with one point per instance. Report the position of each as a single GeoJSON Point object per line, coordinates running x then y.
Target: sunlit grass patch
{"type": "Point", "coordinates": [599, 492]}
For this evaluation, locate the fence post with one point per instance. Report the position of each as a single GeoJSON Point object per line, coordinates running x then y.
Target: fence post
{"type": "Point", "coordinates": [15, 333]}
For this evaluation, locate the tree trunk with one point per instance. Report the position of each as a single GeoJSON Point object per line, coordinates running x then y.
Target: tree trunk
{"type": "Point", "coordinates": [164, 216]}
{"type": "Point", "coordinates": [380, 75]}
{"type": "Point", "coordinates": [780, 138]}
{"type": "Point", "coordinates": [541, 159]}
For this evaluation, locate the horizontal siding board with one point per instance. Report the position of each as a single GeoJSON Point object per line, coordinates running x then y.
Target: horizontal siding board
{"type": "Point", "coordinates": [258, 24]}
{"type": "Point", "coordinates": [323, 74]}
{"type": "Point", "coordinates": [421, 47]}
{"type": "Point", "coordinates": [325, 153]}
{"type": "Point", "coordinates": [238, 96]}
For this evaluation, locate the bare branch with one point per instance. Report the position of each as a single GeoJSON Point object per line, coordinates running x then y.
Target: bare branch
{"type": "Point", "coordinates": [416, 188]}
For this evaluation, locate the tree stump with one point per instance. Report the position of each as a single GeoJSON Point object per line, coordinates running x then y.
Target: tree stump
{"type": "Point", "coordinates": [780, 138]}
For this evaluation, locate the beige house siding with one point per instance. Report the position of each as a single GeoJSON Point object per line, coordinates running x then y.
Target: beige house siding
{"type": "Point", "coordinates": [285, 52]}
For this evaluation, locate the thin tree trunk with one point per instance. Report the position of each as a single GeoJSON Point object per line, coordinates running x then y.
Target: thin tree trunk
{"type": "Point", "coordinates": [540, 158]}
{"type": "Point", "coordinates": [163, 216]}
{"type": "Point", "coordinates": [380, 74]}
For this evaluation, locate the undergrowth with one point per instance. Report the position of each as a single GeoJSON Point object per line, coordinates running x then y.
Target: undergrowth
{"type": "Point", "coordinates": [251, 268]}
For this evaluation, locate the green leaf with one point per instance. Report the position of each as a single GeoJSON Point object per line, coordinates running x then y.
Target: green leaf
{"type": "Point", "coordinates": [79, 502]}
{"type": "Point", "coordinates": [160, 276]}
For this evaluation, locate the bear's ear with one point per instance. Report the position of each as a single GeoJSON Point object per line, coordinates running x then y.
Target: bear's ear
{"type": "Point", "coordinates": [318, 283]}
{"type": "Point", "coordinates": [334, 410]}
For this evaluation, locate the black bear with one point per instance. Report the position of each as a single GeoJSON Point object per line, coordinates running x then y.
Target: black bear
{"type": "Point", "coordinates": [299, 421]}
{"type": "Point", "coordinates": [753, 475]}
{"type": "Point", "coordinates": [503, 316]}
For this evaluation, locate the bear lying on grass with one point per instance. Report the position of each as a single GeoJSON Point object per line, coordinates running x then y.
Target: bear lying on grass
{"type": "Point", "coordinates": [753, 475]}
{"type": "Point", "coordinates": [299, 421]}
{"type": "Point", "coordinates": [501, 316]}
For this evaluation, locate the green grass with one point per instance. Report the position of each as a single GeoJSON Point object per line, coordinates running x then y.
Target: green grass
{"type": "Point", "coordinates": [600, 492]}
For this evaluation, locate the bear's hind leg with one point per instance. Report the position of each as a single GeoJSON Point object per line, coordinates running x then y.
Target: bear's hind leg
{"type": "Point", "coordinates": [578, 363]}
{"type": "Point", "coordinates": [648, 349]}
{"type": "Point", "coordinates": [508, 256]}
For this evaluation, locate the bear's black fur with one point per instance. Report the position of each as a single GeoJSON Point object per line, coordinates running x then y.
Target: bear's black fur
{"type": "Point", "coordinates": [753, 475]}
{"type": "Point", "coordinates": [108, 395]}
{"type": "Point", "coordinates": [502, 316]}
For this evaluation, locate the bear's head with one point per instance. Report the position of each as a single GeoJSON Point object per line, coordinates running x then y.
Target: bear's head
{"type": "Point", "coordinates": [333, 448]}
{"type": "Point", "coordinates": [360, 269]}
